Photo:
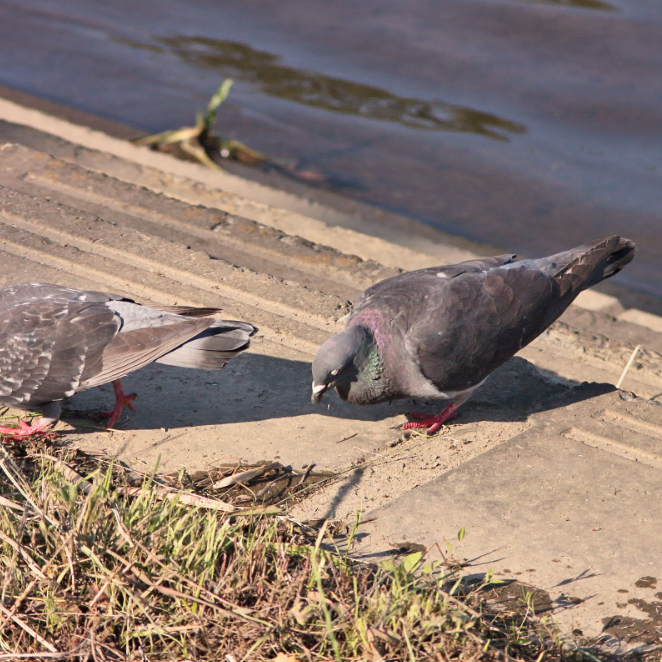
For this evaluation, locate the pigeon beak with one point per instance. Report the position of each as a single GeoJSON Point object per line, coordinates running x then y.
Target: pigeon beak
{"type": "Point", "coordinates": [318, 391]}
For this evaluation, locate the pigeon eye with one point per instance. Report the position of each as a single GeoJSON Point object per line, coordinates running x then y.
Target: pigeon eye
{"type": "Point", "coordinates": [335, 372]}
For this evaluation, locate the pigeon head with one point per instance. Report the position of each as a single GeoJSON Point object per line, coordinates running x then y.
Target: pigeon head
{"type": "Point", "coordinates": [339, 360]}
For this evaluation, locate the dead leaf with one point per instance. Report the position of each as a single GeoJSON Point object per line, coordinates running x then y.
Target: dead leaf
{"type": "Point", "coordinates": [283, 657]}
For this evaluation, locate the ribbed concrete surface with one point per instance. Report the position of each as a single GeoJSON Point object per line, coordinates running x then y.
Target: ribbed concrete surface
{"type": "Point", "coordinates": [142, 232]}
{"type": "Point", "coordinates": [258, 407]}
{"type": "Point", "coordinates": [228, 237]}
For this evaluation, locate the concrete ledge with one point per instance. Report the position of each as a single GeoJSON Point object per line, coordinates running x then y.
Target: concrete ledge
{"type": "Point", "coordinates": [570, 506]}
{"type": "Point", "coordinates": [555, 484]}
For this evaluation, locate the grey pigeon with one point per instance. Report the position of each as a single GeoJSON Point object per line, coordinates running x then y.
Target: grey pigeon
{"type": "Point", "coordinates": [439, 332]}
{"type": "Point", "coordinates": [56, 341]}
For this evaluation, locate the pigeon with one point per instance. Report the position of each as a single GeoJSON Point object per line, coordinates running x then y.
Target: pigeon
{"type": "Point", "coordinates": [439, 332]}
{"type": "Point", "coordinates": [56, 341]}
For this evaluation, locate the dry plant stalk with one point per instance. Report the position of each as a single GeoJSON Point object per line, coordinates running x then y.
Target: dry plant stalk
{"type": "Point", "coordinates": [245, 476]}
{"type": "Point", "coordinates": [133, 574]}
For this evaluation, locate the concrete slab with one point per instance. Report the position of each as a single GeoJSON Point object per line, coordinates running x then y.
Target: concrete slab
{"type": "Point", "coordinates": [498, 411]}
{"type": "Point", "coordinates": [257, 408]}
{"type": "Point", "coordinates": [572, 506]}
{"type": "Point", "coordinates": [228, 237]}
{"type": "Point", "coordinates": [542, 475]}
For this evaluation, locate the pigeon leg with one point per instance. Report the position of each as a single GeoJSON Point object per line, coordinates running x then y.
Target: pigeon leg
{"type": "Point", "coordinates": [121, 401]}
{"type": "Point", "coordinates": [433, 423]}
{"type": "Point", "coordinates": [418, 415]}
{"type": "Point", "coordinates": [50, 414]}
{"type": "Point", "coordinates": [15, 434]}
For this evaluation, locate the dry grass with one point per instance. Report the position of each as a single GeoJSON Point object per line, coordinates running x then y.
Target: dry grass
{"type": "Point", "coordinates": [93, 571]}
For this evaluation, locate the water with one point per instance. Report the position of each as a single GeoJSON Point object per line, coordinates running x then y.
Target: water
{"type": "Point", "coordinates": [533, 126]}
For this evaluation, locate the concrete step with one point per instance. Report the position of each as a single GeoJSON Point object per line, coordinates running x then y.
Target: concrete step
{"type": "Point", "coordinates": [101, 213]}
{"type": "Point", "coordinates": [224, 236]}
{"type": "Point", "coordinates": [588, 344]}
{"type": "Point", "coordinates": [258, 407]}
{"type": "Point", "coordinates": [570, 506]}
{"type": "Point", "coordinates": [577, 354]}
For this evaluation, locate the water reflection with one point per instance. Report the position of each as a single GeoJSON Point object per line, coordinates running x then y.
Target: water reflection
{"type": "Point", "coordinates": [579, 4]}
{"type": "Point", "coordinates": [230, 58]}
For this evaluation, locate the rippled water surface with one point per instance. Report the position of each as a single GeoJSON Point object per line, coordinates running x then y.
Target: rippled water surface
{"type": "Point", "coordinates": [531, 125]}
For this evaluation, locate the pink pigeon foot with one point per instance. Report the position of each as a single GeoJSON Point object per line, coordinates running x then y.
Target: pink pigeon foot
{"type": "Point", "coordinates": [433, 423]}
{"type": "Point", "coordinates": [26, 430]}
{"type": "Point", "coordinates": [418, 415]}
{"type": "Point", "coordinates": [121, 401]}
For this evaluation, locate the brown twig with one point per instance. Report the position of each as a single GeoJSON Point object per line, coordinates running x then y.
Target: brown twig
{"type": "Point", "coordinates": [185, 498]}
{"type": "Point", "coordinates": [23, 554]}
{"type": "Point", "coordinates": [245, 476]}
{"type": "Point", "coordinates": [28, 629]}
{"type": "Point", "coordinates": [309, 468]}
{"type": "Point", "coordinates": [69, 473]}
{"type": "Point", "coordinates": [10, 504]}
{"type": "Point", "coordinates": [66, 655]}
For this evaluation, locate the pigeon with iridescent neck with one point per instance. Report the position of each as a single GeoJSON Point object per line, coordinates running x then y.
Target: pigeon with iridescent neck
{"type": "Point", "coordinates": [56, 341]}
{"type": "Point", "coordinates": [439, 332]}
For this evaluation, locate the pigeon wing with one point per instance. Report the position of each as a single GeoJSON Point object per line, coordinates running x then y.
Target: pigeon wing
{"type": "Point", "coordinates": [407, 283]}
{"type": "Point", "coordinates": [131, 350]}
{"type": "Point", "coordinates": [55, 340]}
{"type": "Point", "coordinates": [467, 326]}
{"type": "Point", "coordinates": [47, 345]}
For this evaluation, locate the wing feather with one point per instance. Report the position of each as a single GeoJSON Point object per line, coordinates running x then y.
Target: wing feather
{"type": "Point", "coordinates": [392, 290]}
{"type": "Point", "coordinates": [45, 346]}
{"type": "Point", "coordinates": [131, 350]}
{"type": "Point", "coordinates": [476, 322]}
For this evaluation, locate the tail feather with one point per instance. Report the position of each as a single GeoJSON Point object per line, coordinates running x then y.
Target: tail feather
{"type": "Point", "coordinates": [212, 348]}
{"type": "Point", "coordinates": [622, 254]}
{"type": "Point", "coordinates": [586, 266]}
{"type": "Point", "coordinates": [188, 311]}
{"type": "Point", "coordinates": [576, 270]}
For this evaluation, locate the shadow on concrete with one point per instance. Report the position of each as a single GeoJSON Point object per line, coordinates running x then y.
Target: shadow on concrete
{"type": "Point", "coordinates": [257, 387]}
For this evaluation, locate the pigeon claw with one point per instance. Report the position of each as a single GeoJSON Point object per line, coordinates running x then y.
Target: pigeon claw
{"type": "Point", "coordinates": [418, 415]}
{"type": "Point", "coordinates": [121, 400]}
{"type": "Point", "coordinates": [432, 423]}
{"type": "Point", "coordinates": [26, 430]}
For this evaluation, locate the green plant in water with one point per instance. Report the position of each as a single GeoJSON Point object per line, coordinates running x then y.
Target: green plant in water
{"type": "Point", "coordinates": [201, 142]}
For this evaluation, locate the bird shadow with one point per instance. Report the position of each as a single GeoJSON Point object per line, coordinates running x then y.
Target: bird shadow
{"type": "Point", "coordinates": [260, 387]}
{"type": "Point", "coordinates": [518, 389]}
